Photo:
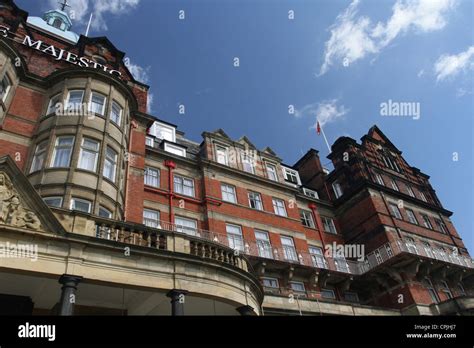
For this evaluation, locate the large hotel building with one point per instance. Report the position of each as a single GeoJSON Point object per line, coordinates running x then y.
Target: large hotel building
{"type": "Point", "coordinates": [106, 209]}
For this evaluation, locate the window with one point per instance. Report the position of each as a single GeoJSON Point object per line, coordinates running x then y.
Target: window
{"type": "Point", "coordinates": [426, 221]}
{"type": "Point", "coordinates": [306, 218]}
{"type": "Point", "coordinates": [74, 100]}
{"type": "Point", "coordinates": [89, 154]}
{"type": "Point", "coordinates": [271, 172]}
{"type": "Point", "coordinates": [431, 290]}
{"type": "Point", "coordinates": [152, 177]}
{"type": "Point", "coordinates": [394, 185]}
{"type": "Point", "coordinates": [446, 290]}
{"type": "Point", "coordinates": [441, 226]}
{"type": "Point", "coordinates": [337, 189]}
{"type": "Point", "coordinates": [104, 212]}
{"type": "Point", "coordinates": [279, 207]}
{"type": "Point", "coordinates": [247, 163]}
{"type": "Point", "coordinates": [297, 286]}
{"type": "Point", "coordinates": [379, 179]}
{"type": "Point", "coordinates": [228, 193]}
{"type": "Point", "coordinates": [378, 256]}
{"type": "Point", "coordinates": [110, 164]}
{"type": "Point", "coordinates": [176, 150]}
{"type": "Point", "coordinates": [149, 141]}
{"type": "Point", "coordinates": [310, 193]}
{"type": "Point", "coordinates": [291, 176]}
{"type": "Point", "coordinates": [317, 256]}
{"type": "Point", "coordinates": [255, 200]}
{"type": "Point", "coordinates": [39, 156]}
{"type": "Point", "coordinates": [428, 250]}
{"type": "Point", "coordinates": [151, 218]}
{"type": "Point", "coordinates": [221, 155]}
{"type": "Point", "coordinates": [328, 225]}
{"type": "Point", "coordinates": [270, 283]}
{"type": "Point", "coordinates": [341, 264]}
{"type": "Point", "coordinates": [5, 86]}
{"type": "Point", "coordinates": [54, 201]}
{"type": "Point", "coordinates": [289, 250]}
{"type": "Point", "coordinates": [62, 151]}
{"type": "Point", "coordinates": [81, 205]}
{"type": "Point", "coordinates": [411, 245]}
{"type": "Point", "coordinates": [97, 103]}
{"type": "Point", "coordinates": [263, 244]}
{"type": "Point", "coordinates": [183, 186]}
{"type": "Point", "coordinates": [395, 212]}
{"type": "Point", "coordinates": [328, 293]}
{"type": "Point", "coordinates": [351, 297]}
{"type": "Point", "coordinates": [53, 104]}
{"type": "Point", "coordinates": [188, 226]}
{"type": "Point", "coordinates": [411, 216]}
{"type": "Point", "coordinates": [116, 113]}
{"type": "Point", "coordinates": [163, 131]}
{"type": "Point", "coordinates": [461, 290]}
{"type": "Point", "coordinates": [390, 163]}
{"type": "Point", "coordinates": [423, 197]}
{"type": "Point", "coordinates": [234, 237]}
{"type": "Point", "coordinates": [410, 191]}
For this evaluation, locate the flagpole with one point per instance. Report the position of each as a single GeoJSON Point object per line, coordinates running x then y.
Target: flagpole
{"type": "Point", "coordinates": [324, 135]}
{"type": "Point", "coordinates": [89, 24]}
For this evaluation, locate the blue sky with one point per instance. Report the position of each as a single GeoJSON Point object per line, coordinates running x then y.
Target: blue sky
{"type": "Point", "coordinates": [336, 59]}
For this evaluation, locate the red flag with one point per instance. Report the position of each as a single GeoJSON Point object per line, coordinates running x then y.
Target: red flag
{"type": "Point", "coordinates": [318, 128]}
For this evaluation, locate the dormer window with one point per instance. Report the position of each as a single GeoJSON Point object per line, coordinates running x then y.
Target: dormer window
{"type": "Point", "coordinates": [57, 23]}
{"type": "Point", "coordinates": [163, 131]}
{"type": "Point", "coordinates": [390, 162]}
{"type": "Point", "coordinates": [292, 176]}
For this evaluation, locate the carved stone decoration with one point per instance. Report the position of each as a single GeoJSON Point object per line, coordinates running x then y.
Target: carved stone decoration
{"type": "Point", "coordinates": [12, 210]}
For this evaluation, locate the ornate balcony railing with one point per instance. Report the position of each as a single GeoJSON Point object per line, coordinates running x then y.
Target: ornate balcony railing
{"type": "Point", "coordinates": [231, 248]}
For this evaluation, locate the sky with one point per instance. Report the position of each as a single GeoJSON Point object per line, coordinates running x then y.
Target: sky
{"type": "Point", "coordinates": [268, 69]}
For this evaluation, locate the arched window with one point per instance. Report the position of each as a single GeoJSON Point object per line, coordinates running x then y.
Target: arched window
{"type": "Point", "coordinates": [57, 23]}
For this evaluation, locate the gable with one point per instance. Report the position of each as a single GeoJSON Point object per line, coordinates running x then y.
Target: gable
{"type": "Point", "coordinates": [375, 134]}
{"type": "Point", "coordinates": [20, 204]}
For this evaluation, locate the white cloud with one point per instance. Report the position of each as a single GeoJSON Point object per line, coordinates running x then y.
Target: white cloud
{"type": "Point", "coordinates": [353, 37]}
{"type": "Point", "coordinates": [149, 102]}
{"type": "Point", "coordinates": [326, 111]}
{"type": "Point", "coordinates": [451, 65]}
{"type": "Point", "coordinates": [80, 10]}
{"type": "Point", "coordinates": [140, 74]}
{"type": "Point", "coordinates": [421, 73]}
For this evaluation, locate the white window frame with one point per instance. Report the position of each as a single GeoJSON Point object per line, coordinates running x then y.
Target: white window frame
{"type": "Point", "coordinates": [228, 193]}
{"type": "Point", "coordinates": [234, 239]}
{"type": "Point", "coordinates": [423, 197]}
{"type": "Point", "coordinates": [104, 209]}
{"type": "Point", "coordinates": [297, 283]}
{"type": "Point", "coordinates": [186, 225]}
{"type": "Point", "coordinates": [175, 150]}
{"type": "Point", "coordinates": [304, 218]}
{"type": "Point", "coordinates": [379, 179]}
{"type": "Point", "coordinates": [271, 280]}
{"type": "Point", "coordinates": [8, 86]}
{"type": "Point", "coordinates": [289, 250]}
{"type": "Point", "coordinates": [279, 207]}
{"type": "Point", "coordinates": [161, 131]}
{"type": "Point", "coordinates": [39, 158]}
{"type": "Point", "coordinates": [445, 288]}
{"type": "Point", "coordinates": [310, 193]}
{"type": "Point", "coordinates": [90, 150]}
{"type": "Point", "coordinates": [152, 177]}
{"type": "Point", "coordinates": [45, 199]}
{"type": "Point", "coordinates": [149, 141]}
{"type": "Point", "coordinates": [411, 245]}
{"type": "Point", "coordinates": [221, 153]}
{"type": "Point", "coordinates": [394, 185]}
{"type": "Point", "coordinates": [442, 226]}
{"type": "Point", "coordinates": [337, 188]}
{"type": "Point", "coordinates": [427, 222]}
{"type": "Point", "coordinates": [77, 107]}
{"type": "Point", "coordinates": [411, 216]}
{"type": "Point", "coordinates": [117, 121]}
{"type": "Point", "coordinates": [102, 111]}
{"type": "Point", "coordinates": [80, 200]}
{"type": "Point", "coordinates": [257, 198]}
{"type": "Point", "coordinates": [57, 146]}
{"type": "Point", "coordinates": [410, 191]}
{"type": "Point", "coordinates": [291, 173]}
{"type": "Point", "coordinates": [151, 222]}
{"type": "Point", "coordinates": [317, 256]}
{"type": "Point", "coordinates": [246, 159]}
{"type": "Point", "coordinates": [271, 171]}
{"type": "Point", "coordinates": [329, 223]}
{"type": "Point", "coordinates": [181, 185]}
{"type": "Point", "coordinates": [264, 245]}
{"type": "Point", "coordinates": [52, 108]}
{"type": "Point", "coordinates": [112, 161]}
{"type": "Point", "coordinates": [394, 211]}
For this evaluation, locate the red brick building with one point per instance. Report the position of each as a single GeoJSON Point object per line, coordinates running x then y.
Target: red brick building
{"type": "Point", "coordinates": [125, 211]}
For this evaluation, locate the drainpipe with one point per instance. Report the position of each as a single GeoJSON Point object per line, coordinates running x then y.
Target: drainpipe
{"type": "Point", "coordinates": [171, 165]}
{"type": "Point", "coordinates": [133, 125]}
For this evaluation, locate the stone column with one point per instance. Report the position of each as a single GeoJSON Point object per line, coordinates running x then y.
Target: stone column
{"type": "Point", "coordinates": [177, 301]}
{"type": "Point", "coordinates": [68, 293]}
{"type": "Point", "coordinates": [245, 310]}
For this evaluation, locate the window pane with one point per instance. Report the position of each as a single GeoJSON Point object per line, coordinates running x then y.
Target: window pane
{"type": "Point", "coordinates": [53, 201]}
{"type": "Point", "coordinates": [74, 102]}
{"type": "Point", "coordinates": [152, 177]}
{"type": "Point", "coordinates": [62, 151]}
{"type": "Point", "coordinates": [234, 237]}
{"type": "Point", "coordinates": [151, 218]}
{"type": "Point", "coordinates": [81, 205]}
{"type": "Point", "coordinates": [187, 226]}
{"type": "Point", "coordinates": [97, 104]}
{"type": "Point", "coordinates": [103, 212]}
{"type": "Point", "coordinates": [116, 113]}
{"type": "Point", "coordinates": [110, 164]}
